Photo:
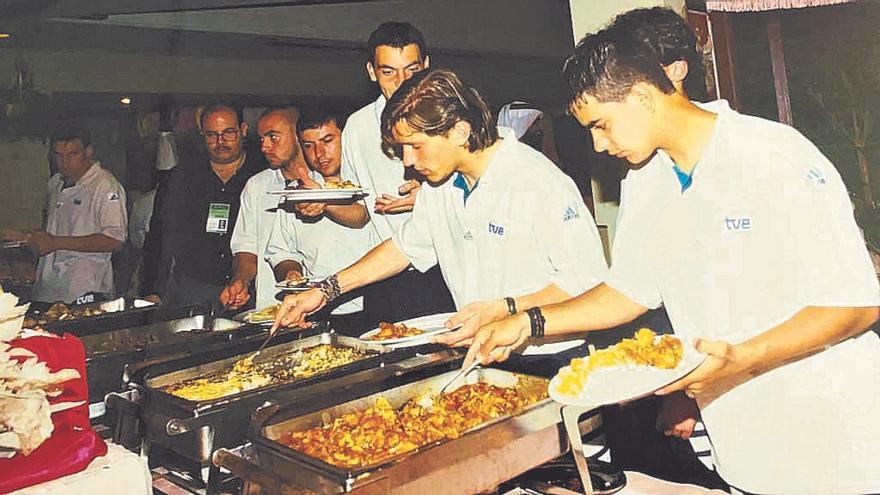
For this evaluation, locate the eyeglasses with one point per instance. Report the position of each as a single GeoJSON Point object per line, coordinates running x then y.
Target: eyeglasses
{"type": "Point", "coordinates": [227, 135]}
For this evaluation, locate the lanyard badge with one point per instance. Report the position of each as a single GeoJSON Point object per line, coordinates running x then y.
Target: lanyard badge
{"type": "Point", "coordinates": [218, 218]}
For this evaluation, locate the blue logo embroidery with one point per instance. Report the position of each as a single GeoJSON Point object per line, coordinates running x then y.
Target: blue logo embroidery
{"type": "Point", "coordinates": [570, 214]}
{"type": "Point", "coordinates": [816, 176]}
{"type": "Point", "coordinates": [738, 224]}
{"type": "Point", "coordinates": [496, 229]}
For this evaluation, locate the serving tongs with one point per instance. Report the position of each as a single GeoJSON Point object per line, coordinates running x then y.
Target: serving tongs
{"type": "Point", "coordinates": [462, 373]}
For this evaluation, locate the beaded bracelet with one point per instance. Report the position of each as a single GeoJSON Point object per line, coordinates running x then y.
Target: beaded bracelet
{"type": "Point", "coordinates": [511, 305]}
{"type": "Point", "coordinates": [536, 321]}
{"type": "Point", "coordinates": [330, 287]}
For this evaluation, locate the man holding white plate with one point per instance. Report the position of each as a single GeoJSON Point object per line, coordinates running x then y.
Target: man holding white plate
{"type": "Point", "coordinates": [316, 246]}
{"type": "Point", "coordinates": [504, 224]}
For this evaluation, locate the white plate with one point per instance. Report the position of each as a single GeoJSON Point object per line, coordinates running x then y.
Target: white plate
{"type": "Point", "coordinates": [624, 383]}
{"type": "Point", "coordinates": [246, 316]}
{"type": "Point", "coordinates": [319, 194]}
{"type": "Point", "coordinates": [305, 285]}
{"type": "Point", "coordinates": [431, 324]}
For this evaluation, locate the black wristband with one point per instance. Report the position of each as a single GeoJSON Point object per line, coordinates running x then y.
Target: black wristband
{"type": "Point", "coordinates": [511, 305]}
{"type": "Point", "coordinates": [536, 321]}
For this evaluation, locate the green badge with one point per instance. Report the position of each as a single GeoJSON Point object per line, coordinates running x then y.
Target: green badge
{"type": "Point", "coordinates": [218, 218]}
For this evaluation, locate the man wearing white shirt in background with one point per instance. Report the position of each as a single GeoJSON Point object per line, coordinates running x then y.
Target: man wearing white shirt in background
{"type": "Point", "coordinates": [396, 51]}
{"type": "Point", "coordinates": [277, 131]}
{"type": "Point", "coordinates": [319, 246]}
{"type": "Point", "coordinates": [502, 244]}
{"type": "Point", "coordinates": [86, 221]}
{"type": "Point", "coordinates": [748, 239]}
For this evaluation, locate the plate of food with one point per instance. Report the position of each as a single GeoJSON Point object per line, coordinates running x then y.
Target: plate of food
{"type": "Point", "coordinates": [413, 331]}
{"type": "Point", "coordinates": [262, 315]}
{"type": "Point", "coordinates": [628, 370]}
{"type": "Point", "coordinates": [299, 284]}
{"type": "Point", "coordinates": [329, 192]}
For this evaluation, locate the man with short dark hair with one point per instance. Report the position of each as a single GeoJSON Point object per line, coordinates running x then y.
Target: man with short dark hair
{"type": "Point", "coordinates": [316, 245]}
{"type": "Point", "coordinates": [202, 206]}
{"type": "Point", "coordinates": [278, 142]}
{"type": "Point", "coordinates": [502, 244]}
{"type": "Point", "coordinates": [85, 222]}
{"type": "Point", "coordinates": [395, 52]}
{"type": "Point", "coordinates": [749, 242]}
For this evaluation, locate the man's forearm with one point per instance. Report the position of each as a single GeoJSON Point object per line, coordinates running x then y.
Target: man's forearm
{"type": "Point", "coordinates": [810, 330]}
{"type": "Point", "coordinates": [244, 267]}
{"type": "Point", "coordinates": [284, 267]}
{"type": "Point", "coordinates": [354, 216]}
{"type": "Point", "coordinates": [93, 243]}
{"type": "Point", "coordinates": [382, 262]}
{"type": "Point", "coordinates": [596, 309]}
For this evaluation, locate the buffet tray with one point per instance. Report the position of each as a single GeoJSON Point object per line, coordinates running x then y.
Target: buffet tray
{"type": "Point", "coordinates": [478, 460]}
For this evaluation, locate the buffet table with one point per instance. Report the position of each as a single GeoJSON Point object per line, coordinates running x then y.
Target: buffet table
{"type": "Point", "coordinates": [106, 474]}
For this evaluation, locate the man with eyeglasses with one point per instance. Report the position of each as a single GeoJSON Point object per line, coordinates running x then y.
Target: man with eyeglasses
{"type": "Point", "coordinates": [278, 142]}
{"type": "Point", "coordinates": [202, 207]}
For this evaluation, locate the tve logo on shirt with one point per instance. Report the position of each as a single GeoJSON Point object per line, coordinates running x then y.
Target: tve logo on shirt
{"type": "Point", "coordinates": [738, 224]}
{"type": "Point", "coordinates": [496, 229]}
{"type": "Point", "coordinates": [570, 214]}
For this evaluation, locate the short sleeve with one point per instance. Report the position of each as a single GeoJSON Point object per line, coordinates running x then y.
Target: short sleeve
{"type": "Point", "coordinates": [112, 217]}
{"type": "Point", "coordinates": [282, 244]}
{"type": "Point", "coordinates": [833, 264]}
{"type": "Point", "coordinates": [568, 233]}
{"type": "Point", "coordinates": [413, 237]}
{"type": "Point", "coordinates": [631, 271]}
{"type": "Point", "coordinates": [244, 236]}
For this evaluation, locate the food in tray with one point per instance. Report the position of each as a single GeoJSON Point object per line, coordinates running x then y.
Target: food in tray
{"type": "Point", "coordinates": [343, 184]}
{"type": "Point", "coordinates": [60, 312]}
{"type": "Point", "coordinates": [266, 314]}
{"type": "Point", "coordinates": [644, 349]}
{"type": "Point", "coordinates": [365, 438]}
{"type": "Point", "coordinates": [388, 331]}
{"type": "Point", "coordinates": [247, 375]}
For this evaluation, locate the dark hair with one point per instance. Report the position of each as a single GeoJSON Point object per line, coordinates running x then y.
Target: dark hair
{"type": "Point", "coordinates": [433, 101]}
{"type": "Point", "coordinates": [314, 116]}
{"type": "Point", "coordinates": [607, 64]}
{"type": "Point", "coordinates": [218, 107]}
{"type": "Point", "coordinates": [70, 131]}
{"type": "Point", "coordinates": [396, 35]}
{"type": "Point", "coordinates": [669, 36]}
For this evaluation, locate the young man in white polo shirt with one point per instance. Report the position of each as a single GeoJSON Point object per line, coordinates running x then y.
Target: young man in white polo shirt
{"type": "Point", "coordinates": [256, 216]}
{"type": "Point", "coordinates": [498, 217]}
{"type": "Point", "coordinates": [86, 221]}
{"type": "Point", "coordinates": [306, 246]}
{"type": "Point", "coordinates": [748, 240]}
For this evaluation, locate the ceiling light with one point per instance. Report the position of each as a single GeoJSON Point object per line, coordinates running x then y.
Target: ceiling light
{"type": "Point", "coordinates": [125, 100]}
{"type": "Point", "coordinates": [3, 36]}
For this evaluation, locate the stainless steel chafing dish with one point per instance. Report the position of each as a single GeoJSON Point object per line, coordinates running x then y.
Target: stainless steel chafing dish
{"type": "Point", "coordinates": [92, 317]}
{"type": "Point", "coordinates": [477, 461]}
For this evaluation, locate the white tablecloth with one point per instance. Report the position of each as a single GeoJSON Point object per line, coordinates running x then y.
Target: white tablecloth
{"type": "Point", "coordinates": [120, 472]}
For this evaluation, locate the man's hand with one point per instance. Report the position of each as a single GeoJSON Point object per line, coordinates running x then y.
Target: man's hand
{"type": "Point", "coordinates": [43, 242]}
{"type": "Point", "coordinates": [390, 205]}
{"type": "Point", "coordinates": [471, 318]}
{"type": "Point", "coordinates": [508, 334]}
{"type": "Point", "coordinates": [235, 295]}
{"type": "Point", "coordinates": [725, 367]}
{"type": "Point", "coordinates": [678, 416]}
{"type": "Point", "coordinates": [296, 307]}
{"type": "Point", "coordinates": [310, 210]}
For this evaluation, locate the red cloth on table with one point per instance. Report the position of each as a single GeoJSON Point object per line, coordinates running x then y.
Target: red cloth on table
{"type": "Point", "coordinates": [73, 444]}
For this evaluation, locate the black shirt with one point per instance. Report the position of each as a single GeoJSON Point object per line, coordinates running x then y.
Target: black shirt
{"type": "Point", "coordinates": [192, 189]}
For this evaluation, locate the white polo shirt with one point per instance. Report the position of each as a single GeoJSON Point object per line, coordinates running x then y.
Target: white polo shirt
{"type": "Point", "coordinates": [322, 247]}
{"type": "Point", "coordinates": [523, 227]}
{"type": "Point", "coordinates": [94, 205]}
{"type": "Point", "coordinates": [765, 229]}
{"type": "Point", "coordinates": [364, 164]}
{"type": "Point", "coordinates": [256, 218]}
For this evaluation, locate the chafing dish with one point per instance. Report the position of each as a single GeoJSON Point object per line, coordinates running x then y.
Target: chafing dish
{"type": "Point", "coordinates": [477, 461]}
{"type": "Point", "coordinates": [93, 317]}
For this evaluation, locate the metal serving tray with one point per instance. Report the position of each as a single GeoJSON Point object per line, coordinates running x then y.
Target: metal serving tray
{"type": "Point", "coordinates": [477, 461]}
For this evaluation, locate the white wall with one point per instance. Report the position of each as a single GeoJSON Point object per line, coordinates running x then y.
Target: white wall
{"type": "Point", "coordinates": [588, 16]}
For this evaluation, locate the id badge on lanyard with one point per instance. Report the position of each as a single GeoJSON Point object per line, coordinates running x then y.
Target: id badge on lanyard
{"type": "Point", "coordinates": [218, 218]}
